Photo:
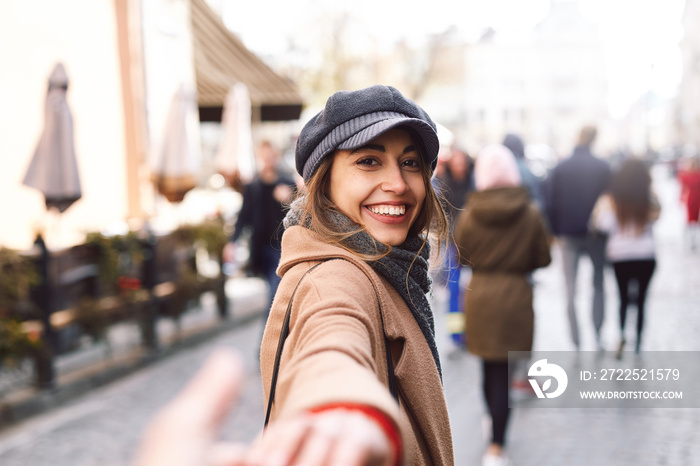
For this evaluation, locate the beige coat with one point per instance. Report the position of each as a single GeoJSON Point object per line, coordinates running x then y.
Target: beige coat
{"type": "Point", "coordinates": [335, 350]}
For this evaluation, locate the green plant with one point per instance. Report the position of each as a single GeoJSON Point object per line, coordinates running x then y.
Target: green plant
{"type": "Point", "coordinates": [132, 292]}
{"type": "Point", "coordinates": [92, 319]}
{"type": "Point", "coordinates": [17, 275]}
{"type": "Point", "coordinates": [187, 288]}
{"type": "Point", "coordinates": [15, 343]}
{"type": "Point", "coordinates": [118, 255]}
{"type": "Point", "coordinates": [210, 234]}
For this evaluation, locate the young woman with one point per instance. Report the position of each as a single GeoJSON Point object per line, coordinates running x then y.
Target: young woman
{"type": "Point", "coordinates": [502, 236]}
{"type": "Point", "coordinates": [631, 248]}
{"type": "Point", "coordinates": [358, 378]}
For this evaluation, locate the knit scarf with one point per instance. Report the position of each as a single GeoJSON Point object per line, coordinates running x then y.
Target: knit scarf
{"type": "Point", "coordinates": [404, 267]}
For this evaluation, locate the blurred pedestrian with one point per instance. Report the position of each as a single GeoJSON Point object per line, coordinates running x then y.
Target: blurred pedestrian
{"type": "Point", "coordinates": [570, 192]}
{"type": "Point", "coordinates": [633, 209]}
{"type": "Point", "coordinates": [689, 178]}
{"type": "Point", "coordinates": [529, 180]}
{"type": "Point", "coordinates": [358, 380]}
{"type": "Point", "coordinates": [261, 214]}
{"type": "Point", "coordinates": [521, 384]}
{"type": "Point", "coordinates": [455, 183]}
{"type": "Point", "coordinates": [502, 236]}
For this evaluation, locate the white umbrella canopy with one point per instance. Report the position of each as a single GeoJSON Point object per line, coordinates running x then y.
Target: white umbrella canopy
{"type": "Point", "coordinates": [235, 158]}
{"type": "Point", "coordinates": [54, 168]}
{"type": "Point", "coordinates": [179, 159]}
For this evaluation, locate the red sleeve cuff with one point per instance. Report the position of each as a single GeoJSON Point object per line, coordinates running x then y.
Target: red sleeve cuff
{"type": "Point", "coordinates": [387, 424]}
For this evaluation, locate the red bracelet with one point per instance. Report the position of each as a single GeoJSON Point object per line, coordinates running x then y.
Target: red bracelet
{"type": "Point", "coordinates": [386, 424]}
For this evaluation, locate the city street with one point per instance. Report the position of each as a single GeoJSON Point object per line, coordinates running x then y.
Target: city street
{"type": "Point", "coordinates": [103, 427]}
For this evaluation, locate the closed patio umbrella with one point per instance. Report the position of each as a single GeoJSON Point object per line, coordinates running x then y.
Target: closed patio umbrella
{"type": "Point", "coordinates": [235, 159]}
{"type": "Point", "coordinates": [179, 159]}
{"type": "Point", "coordinates": [54, 168]}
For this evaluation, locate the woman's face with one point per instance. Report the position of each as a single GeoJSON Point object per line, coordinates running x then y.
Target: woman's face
{"type": "Point", "coordinates": [380, 185]}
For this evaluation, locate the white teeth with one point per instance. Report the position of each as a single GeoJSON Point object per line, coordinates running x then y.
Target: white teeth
{"type": "Point", "coordinates": [389, 210]}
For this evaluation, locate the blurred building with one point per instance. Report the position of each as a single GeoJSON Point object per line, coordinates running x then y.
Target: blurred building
{"type": "Point", "coordinates": [544, 84]}
{"type": "Point", "coordinates": [125, 60]}
{"type": "Point", "coordinates": [688, 103]}
{"type": "Point", "coordinates": [648, 127]}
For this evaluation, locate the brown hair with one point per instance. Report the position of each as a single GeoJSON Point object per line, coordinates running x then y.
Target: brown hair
{"type": "Point", "coordinates": [587, 136]}
{"type": "Point", "coordinates": [631, 192]}
{"type": "Point", "coordinates": [317, 207]}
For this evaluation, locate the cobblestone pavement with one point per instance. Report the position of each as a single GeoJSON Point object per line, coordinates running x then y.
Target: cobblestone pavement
{"type": "Point", "coordinates": [103, 427]}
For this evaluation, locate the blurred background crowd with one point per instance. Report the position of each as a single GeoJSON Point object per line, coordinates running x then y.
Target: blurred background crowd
{"type": "Point", "coordinates": [168, 98]}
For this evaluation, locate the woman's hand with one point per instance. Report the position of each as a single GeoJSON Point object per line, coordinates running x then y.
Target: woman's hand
{"type": "Point", "coordinates": [184, 432]}
{"type": "Point", "coordinates": [334, 437]}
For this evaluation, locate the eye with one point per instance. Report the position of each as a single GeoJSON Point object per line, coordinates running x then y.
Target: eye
{"type": "Point", "coordinates": [367, 161]}
{"type": "Point", "coordinates": [412, 163]}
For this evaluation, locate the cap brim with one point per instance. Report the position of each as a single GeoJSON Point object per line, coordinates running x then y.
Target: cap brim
{"type": "Point", "coordinates": [424, 131]}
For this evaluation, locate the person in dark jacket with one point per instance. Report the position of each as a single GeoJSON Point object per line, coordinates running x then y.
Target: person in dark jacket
{"type": "Point", "coordinates": [262, 212]}
{"type": "Point", "coordinates": [570, 192]}
{"type": "Point", "coordinates": [455, 182]}
{"type": "Point", "coordinates": [502, 236]}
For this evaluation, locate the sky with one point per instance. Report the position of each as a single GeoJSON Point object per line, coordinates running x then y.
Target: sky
{"type": "Point", "coordinates": [641, 36]}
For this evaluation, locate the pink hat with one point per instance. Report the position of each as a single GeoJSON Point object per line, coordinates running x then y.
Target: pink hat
{"type": "Point", "coordinates": [495, 167]}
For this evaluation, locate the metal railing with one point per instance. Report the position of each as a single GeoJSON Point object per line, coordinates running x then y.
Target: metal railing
{"type": "Point", "coordinates": [71, 299]}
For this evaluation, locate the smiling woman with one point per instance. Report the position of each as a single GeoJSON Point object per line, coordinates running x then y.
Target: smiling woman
{"type": "Point", "coordinates": [359, 377]}
{"type": "Point", "coordinates": [380, 185]}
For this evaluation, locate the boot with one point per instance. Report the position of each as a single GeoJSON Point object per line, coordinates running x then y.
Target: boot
{"type": "Point", "coordinates": [620, 348]}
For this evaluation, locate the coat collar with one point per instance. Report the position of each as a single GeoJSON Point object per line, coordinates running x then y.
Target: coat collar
{"type": "Point", "coordinates": [299, 245]}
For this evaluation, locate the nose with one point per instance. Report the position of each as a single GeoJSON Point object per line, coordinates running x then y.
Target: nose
{"type": "Point", "coordinates": [394, 181]}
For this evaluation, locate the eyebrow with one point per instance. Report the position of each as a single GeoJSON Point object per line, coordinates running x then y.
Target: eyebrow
{"type": "Point", "coordinates": [380, 148]}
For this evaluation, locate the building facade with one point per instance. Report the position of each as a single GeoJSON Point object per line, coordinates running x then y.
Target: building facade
{"type": "Point", "coordinates": [125, 61]}
{"type": "Point", "coordinates": [544, 84]}
{"type": "Point", "coordinates": [688, 103]}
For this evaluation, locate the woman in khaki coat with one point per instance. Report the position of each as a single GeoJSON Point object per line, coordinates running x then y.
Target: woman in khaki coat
{"type": "Point", "coordinates": [357, 380]}
{"type": "Point", "coordinates": [501, 235]}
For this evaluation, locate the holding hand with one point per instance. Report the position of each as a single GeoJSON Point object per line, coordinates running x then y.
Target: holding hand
{"type": "Point", "coordinates": [184, 432]}
{"type": "Point", "coordinates": [334, 437]}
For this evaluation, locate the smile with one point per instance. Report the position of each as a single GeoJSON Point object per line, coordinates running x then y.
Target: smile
{"type": "Point", "coordinates": [388, 210]}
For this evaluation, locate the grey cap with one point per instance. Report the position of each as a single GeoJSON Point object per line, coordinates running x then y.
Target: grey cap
{"type": "Point", "coordinates": [351, 119]}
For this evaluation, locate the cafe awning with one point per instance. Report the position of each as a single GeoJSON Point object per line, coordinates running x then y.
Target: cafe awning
{"type": "Point", "coordinates": [221, 60]}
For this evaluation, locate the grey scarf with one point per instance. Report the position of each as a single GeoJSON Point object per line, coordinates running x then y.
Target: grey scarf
{"type": "Point", "coordinates": [404, 267]}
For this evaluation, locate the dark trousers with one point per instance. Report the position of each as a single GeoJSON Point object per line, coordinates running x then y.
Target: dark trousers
{"type": "Point", "coordinates": [626, 272]}
{"type": "Point", "coordinates": [270, 261]}
{"type": "Point", "coordinates": [496, 378]}
{"type": "Point", "coordinates": [572, 248]}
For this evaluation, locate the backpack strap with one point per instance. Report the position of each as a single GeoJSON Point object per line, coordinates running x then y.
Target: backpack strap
{"type": "Point", "coordinates": [285, 332]}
